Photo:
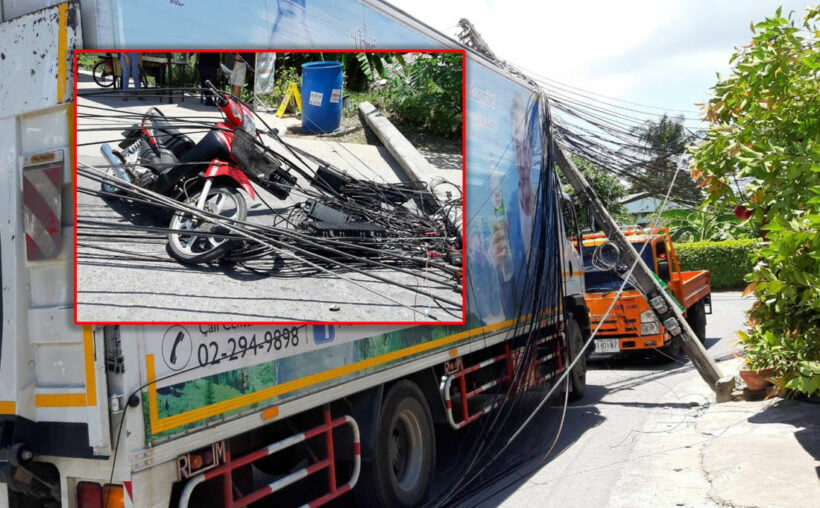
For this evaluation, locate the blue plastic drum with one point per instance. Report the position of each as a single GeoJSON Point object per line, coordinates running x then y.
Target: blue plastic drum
{"type": "Point", "coordinates": [321, 96]}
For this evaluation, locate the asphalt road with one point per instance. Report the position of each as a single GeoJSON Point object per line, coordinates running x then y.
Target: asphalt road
{"type": "Point", "coordinates": [134, 279]}
{"type": "Point", "coordinates": [596, 441]}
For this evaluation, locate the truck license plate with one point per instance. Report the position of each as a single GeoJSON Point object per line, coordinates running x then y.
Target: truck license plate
{"type": "Point", "coordinates": [607, 346]}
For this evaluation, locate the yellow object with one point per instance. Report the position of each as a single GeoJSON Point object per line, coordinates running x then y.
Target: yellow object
{"type": "Point", "coordinates": [292, 93]}
{"type": "Point", "coordinates": [113, 496]}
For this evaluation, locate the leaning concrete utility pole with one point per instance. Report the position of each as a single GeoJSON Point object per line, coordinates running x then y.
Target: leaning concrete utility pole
{"type": "Point", "coordinates": [659, 300]}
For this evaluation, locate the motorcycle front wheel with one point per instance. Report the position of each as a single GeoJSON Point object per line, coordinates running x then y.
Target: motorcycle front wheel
{"type": "Point", "coordinates": [192, 240]}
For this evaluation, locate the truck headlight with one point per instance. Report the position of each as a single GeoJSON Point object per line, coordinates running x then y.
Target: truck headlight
{"type": "Point", "coordinates": [649, 323]}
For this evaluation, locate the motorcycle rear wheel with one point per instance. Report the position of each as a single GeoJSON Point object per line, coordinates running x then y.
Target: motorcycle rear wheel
{"type": "Point", "coordinates": [103, 74]}
{"type": "Point", "coordinates": [192, 240]}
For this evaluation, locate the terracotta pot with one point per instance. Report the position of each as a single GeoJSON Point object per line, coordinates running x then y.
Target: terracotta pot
{"type": "Point", "coordinates": [756, 379]}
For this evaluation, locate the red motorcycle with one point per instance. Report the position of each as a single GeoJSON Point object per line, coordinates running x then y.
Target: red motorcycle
{"type": "Point", "coordinates": [205, 175]}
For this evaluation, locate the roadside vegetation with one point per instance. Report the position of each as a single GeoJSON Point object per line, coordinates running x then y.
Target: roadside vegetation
{"type": "Point", "coordinates": [765, 130]}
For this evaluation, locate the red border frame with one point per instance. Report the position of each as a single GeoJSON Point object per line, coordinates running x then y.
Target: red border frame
{"type": "Point", "coordinates": [463, 186]}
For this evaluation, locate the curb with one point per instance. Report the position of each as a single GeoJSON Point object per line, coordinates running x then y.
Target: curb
{"type": "Point", "coordinates": [739, 453]}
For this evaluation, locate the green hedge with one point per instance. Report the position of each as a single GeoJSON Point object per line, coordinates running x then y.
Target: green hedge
{"type": "Point", "coordinates": [728, 261]}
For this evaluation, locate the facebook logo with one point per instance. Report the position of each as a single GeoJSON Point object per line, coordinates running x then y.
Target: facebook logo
{"type": "Point", "coordinates": [323, 334]}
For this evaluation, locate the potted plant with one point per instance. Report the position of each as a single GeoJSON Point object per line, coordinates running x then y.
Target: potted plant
{"type": "Point", "coordinates": [756, 379]}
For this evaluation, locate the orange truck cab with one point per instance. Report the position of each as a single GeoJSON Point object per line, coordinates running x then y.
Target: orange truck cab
{"type": "Point", "coordinates": [632, 325]}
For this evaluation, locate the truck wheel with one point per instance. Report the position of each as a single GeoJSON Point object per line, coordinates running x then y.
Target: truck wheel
{"type": "Point", "coordinates": [696, 317]}
{"type": "Point", "coordinates": [670, 352]}
{"type": "Point", "coordinates": [399, 474]}
{"type": "Point", "coordinates": [578, 375]}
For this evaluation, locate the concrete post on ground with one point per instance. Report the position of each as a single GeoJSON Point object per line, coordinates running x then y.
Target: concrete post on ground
{"type": "Point", "coordinates": [411, 161]}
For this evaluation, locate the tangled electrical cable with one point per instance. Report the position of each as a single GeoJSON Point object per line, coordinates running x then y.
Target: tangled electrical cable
{"type": "Point", "coordinates": [494, 441]}
{"type": "Point", "coordinates": [329, 222]}
{"type": "Point", "coordinates": [607, 132]}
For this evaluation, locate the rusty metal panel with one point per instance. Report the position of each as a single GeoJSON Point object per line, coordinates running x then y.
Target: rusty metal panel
{"type": "Point", "coordinates": [36, 59]}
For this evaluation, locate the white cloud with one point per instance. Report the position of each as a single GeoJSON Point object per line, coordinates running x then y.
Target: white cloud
{"type": "Point", "coordinates": [662, 53]}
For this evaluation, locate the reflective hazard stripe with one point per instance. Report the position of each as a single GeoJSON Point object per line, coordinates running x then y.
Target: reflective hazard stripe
{"type": "Point", "coordinates": [42, 187]}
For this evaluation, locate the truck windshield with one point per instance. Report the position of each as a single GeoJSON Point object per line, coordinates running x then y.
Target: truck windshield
{"type": "Point", "coordinates": [604, 281]}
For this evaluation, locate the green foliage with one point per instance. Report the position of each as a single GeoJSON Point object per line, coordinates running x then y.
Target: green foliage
{"type": "Point", "coordinates": [428, 94]}
{"type": "Point", "coordinates": [86, 61]}
{"type": "Point", "coordinates": [728, 261]}
{"type": "Point", "coordinates": [376, 96]}
{"type": "Point", "coordinates": [208, 395]}
{"type": "Point", "coordinates": [606, 186]}
{"type": "Point", "coordinates": [765, 127]}
{"type": "Point", "coordinates": [705, 225]}
{"type": "Point", "coordinates": [363, 68]}
{"type": "Point", "coordinates": [185, 75]}
{"type": "Point", "coordinates": [808, 381]}
{"type": "Point", "coordinates": [664, 142]}
{"type": "Point", "coordinates": [283, 77]}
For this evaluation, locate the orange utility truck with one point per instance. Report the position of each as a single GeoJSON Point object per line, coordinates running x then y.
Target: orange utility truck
{"type": "Point", "coordinates": [631, 325]}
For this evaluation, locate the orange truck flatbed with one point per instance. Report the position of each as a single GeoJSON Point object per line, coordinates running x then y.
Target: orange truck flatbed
{"type": "Point", "coordinates": [631, 324]}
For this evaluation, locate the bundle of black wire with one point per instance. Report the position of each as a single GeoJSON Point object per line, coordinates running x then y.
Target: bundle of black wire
{"type": "Point", "coordinates": [538, 304]}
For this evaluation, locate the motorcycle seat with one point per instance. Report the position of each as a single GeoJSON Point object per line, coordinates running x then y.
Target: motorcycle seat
{"type": "Point", "coordinates": [167, 135]}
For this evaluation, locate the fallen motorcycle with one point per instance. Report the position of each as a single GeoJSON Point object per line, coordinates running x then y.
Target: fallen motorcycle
{"type": "Point", "coordinates": [206, 175]}
{"type": "Point", "coordinates": [336, 220]}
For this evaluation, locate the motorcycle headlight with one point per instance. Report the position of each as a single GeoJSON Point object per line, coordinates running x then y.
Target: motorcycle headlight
{"type": "Point", "coordinates": [649, 323]}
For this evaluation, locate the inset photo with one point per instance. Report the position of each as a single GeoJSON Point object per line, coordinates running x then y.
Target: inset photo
{"type": "Point", "coordinates": [240, 186]}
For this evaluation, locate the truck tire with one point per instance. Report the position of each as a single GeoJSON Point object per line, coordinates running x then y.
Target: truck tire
{"type": "Point", "coordinates": [400, 472]}
{"type": "Point", "coordinates": [670, 352]}
{"type": "Point", "coordinates": [578, 374]}
{"type": "Point", "coordinates": [696, 317]}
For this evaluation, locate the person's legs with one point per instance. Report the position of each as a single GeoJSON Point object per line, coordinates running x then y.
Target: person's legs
{"type": "Point", "coordinates": [135, 70]}
{"type": "Point", "coordinates": [207, 74]}
{"type": "Point", "coordinates": [126, 72]}
{"type": "Point", "coordinates": [238, 78]}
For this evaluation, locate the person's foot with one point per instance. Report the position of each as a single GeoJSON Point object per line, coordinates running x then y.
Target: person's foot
{"type": "Point", "coordinates": [125, 99]}
{"type": "Point", "coordinates": [141, 98]}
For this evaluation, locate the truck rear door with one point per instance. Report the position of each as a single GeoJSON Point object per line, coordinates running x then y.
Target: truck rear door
{"type": "Point", "coordinates": [52, 382]}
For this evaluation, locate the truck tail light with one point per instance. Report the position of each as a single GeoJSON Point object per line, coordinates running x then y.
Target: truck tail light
{"type": "Point", "coordinates": [92, 495]}
{"type": "Point", "coordinates": [89, 495]}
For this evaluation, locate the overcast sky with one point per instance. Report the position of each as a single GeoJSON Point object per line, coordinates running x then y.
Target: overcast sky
{"type": "Point", "coordinates": [656, 52]}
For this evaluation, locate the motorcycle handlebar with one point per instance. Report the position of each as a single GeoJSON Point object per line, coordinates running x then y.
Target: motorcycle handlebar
{"type": "Point", "coordinates": [220, 97]}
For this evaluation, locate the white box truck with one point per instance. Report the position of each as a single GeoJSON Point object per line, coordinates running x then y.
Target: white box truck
{"type": "Point", "coordinates": [226, 414]}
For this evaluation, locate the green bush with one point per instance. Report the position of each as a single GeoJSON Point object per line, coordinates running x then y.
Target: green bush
{"type": "Point", "coordinates": [728, 261]}
{"type": "Point", "coordinates": [428, 95]}
{"type": "Point", "coordinates": [86, 61]}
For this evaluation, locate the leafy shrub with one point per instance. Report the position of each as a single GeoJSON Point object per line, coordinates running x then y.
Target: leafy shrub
{"type": "Point", "coordinates": [428, 95]}
{"type": "Point", "coordinates": [765, 124]}
{"type": "Point", "coordinates": [284, 76]}
{"type": "Point", "coordinates": [728, 261]}
{"type": "Point", "coordinates": [86, 61]}
{"type": "Point", "coordinates": [707, 225]}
